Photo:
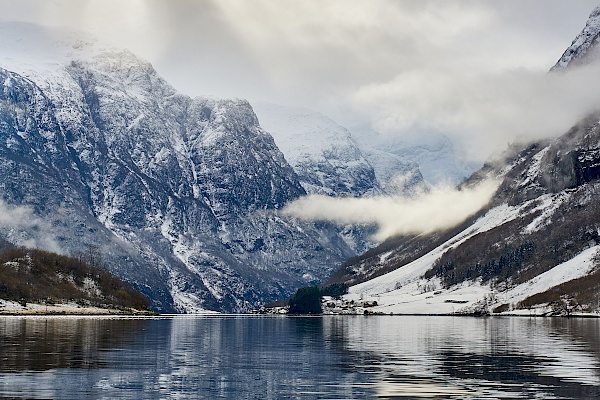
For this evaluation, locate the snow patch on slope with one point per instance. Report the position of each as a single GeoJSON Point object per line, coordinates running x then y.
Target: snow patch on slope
{"type": "Point", "coordinates": [549, 203]}
{"type": "Point", "coordinates": [576, 267]}
{"type": "Point", "coordinates": [406, 291]}
{"type": "Point", "coordinates": [534, 169]}
{"type": "Point", "coordinates": [413, 271]}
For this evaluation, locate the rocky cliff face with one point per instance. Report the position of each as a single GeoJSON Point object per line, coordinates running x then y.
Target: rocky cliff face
{"type": "Point", "coordinates": [180, 194]}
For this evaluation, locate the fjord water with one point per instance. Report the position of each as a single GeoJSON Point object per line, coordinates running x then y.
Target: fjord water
{"type": "Point", "coordinates": [330, 357]}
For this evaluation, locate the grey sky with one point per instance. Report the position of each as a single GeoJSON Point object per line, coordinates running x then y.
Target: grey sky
{"type": "Point", "coordinates": [401, 65]}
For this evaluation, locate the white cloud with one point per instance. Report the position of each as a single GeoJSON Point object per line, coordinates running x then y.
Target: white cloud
{"type": "Point", "coordinates": [440, 208]}
{"type": "Point", "coordinates": [483, 111]}
{"type": "Point", "coordinates": [22, 227]}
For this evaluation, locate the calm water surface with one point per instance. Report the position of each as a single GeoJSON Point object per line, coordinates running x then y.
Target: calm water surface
{"type": "Point", "coordinates": [333, 357]}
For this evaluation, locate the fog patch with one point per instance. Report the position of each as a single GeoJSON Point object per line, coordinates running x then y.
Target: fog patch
{"type": "Point", "coordinates": [440, 208]}
{"type": "Point", "coordinates": [20, 226]}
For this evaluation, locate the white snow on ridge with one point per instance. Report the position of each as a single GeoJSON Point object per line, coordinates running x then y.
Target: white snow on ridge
{"type": "Point", "coordinates": [301, 133]}
{"type": "Point", "coordinates": [576, 267]}
{"type": "Point", "coordinates": [323, 153]}
{"type": "Point", "coordinates": [32, 47]}
{"type": "Point", "coordinates": [413, 271]}
{"type": "Point", "coordinates": [582, 44]}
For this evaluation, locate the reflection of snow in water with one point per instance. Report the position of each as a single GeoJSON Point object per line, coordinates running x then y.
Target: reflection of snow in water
{"type": "Point", "coordinates": [189, 357]}
{"type": "Point", "coordinates": [465, 356]}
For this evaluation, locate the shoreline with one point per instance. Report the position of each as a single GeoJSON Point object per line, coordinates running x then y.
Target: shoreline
{"type": "Point", "coordinates": [12, 308]}
{"type": "Point", "coordinates": [97, 312]}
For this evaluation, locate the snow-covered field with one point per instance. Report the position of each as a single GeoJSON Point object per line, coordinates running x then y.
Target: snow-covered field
{"type": "Point", "coordinates": [14, 308]}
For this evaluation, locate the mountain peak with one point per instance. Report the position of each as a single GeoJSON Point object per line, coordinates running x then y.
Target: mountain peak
{"type": "Point", "coordinates": [584, 49]}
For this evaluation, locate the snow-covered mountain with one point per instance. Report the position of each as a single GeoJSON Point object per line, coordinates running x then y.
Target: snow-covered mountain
{"type": "Point", "coordinates": [326, 159]}
{"type": "Point", "coordinates": [403, 161]}
{"type": "Point", "coordinates": [323, 153]}
{"type": "Point", "coordinates": [535, 249]}
{"type": "Point", "coordinates": [180, 195]}
{"type": "Point", "coordinates": [332, 160]}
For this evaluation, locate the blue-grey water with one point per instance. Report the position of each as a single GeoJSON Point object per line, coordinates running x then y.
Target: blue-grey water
{"type": "Point", "coordinates": [330, 357]}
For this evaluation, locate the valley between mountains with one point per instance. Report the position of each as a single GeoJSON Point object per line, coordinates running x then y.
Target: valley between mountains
{"type": "Point", "coordinates": [183, 196]}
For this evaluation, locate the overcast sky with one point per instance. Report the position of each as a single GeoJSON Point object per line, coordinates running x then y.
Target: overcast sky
{"type": "Point", "coordinates": [456, 67]}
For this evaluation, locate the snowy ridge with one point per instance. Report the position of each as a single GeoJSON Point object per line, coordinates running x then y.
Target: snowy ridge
{"type": "Point", "coordinates": [583, 49]}
{"type": "Point", "coordinates": [323, 153]}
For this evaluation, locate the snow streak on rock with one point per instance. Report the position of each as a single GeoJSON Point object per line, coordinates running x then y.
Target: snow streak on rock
{"type": "Point", "coordinates": [180, 195]}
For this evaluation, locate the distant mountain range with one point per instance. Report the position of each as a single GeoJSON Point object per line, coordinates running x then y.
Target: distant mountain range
{"type": "Point", "coordinates": [359, 161]}
{"type": "Point", "coordinates": [535, 249]}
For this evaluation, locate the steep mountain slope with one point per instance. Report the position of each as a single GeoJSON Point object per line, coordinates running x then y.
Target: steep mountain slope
{"type": "Point", "coordinates": [180, 194]}
{"type": "Point", "coordinates": [45, 278]}
{"type": "Point", "coordinates": [584, 49]}
{"type": "Point", "coordinates": [523, 252]}
{"type": "Point", "coordinates": [535, 249]}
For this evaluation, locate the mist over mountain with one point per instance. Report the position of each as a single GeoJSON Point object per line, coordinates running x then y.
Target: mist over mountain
{"type": "Point", "coordinates": [407, 160]}
{"type": "Point", "coordinates": [534, 249]}
{"type": "Point", "coordinates": [323, 154]}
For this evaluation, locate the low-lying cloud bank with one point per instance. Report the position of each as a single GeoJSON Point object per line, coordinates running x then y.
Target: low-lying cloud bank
{"type": "Point", "coordinates": [440, 208]}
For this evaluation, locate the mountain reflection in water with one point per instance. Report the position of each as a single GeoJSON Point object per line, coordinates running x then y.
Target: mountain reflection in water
{"type": "Point", "coordinates": [340, 357]}
{"type": "Point", "coordinates": [44, 343]}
